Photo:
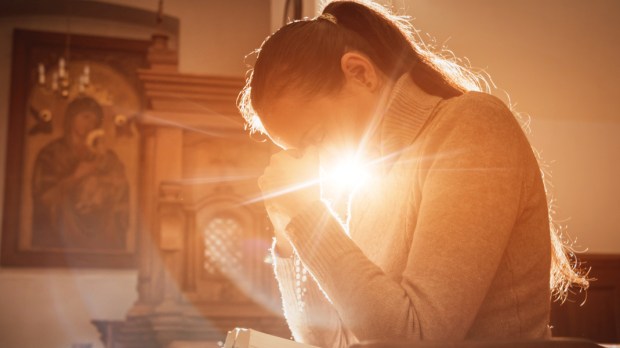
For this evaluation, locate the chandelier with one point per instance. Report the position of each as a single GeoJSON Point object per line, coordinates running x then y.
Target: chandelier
{"type": "Point", "coordinates": [60, 81]}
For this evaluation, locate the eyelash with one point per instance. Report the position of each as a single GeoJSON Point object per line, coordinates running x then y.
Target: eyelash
{"type": "Point", "coordinates": [318, 139]}
{"type": "Point", "coordinates": [315, 138]}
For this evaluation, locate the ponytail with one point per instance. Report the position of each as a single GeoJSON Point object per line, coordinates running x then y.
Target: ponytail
{"type": "Point", "coordinates": [392, 47]}
{"type": "Point", "coordinates": [305, 56]}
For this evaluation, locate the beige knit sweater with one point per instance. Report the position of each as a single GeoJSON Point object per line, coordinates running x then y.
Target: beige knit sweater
{"type": "Point", "coordinates": [451, 242]}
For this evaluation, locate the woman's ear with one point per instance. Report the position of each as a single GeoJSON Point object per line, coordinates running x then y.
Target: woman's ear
{"type": "Point", "coordinates": [358, 69]}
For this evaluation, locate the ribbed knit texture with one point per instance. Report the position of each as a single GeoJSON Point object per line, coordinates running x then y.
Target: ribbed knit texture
{"type": "Point", "coordinates": [406, 118]}
{"type": "Point", "coordinates": [451, 242]}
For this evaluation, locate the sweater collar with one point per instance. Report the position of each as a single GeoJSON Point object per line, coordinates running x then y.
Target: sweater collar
{"type": "Point", "coordinates": [408, 109]}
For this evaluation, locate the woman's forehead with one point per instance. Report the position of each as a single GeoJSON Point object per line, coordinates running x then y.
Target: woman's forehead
{"type": "Point", "coordinates": [286, 119]}
{"type": "Point", "coordinates": [287, 134]}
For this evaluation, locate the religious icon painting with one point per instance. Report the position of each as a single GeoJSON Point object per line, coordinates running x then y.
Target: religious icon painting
{"type": "Point", "coordinates": [74, 151]}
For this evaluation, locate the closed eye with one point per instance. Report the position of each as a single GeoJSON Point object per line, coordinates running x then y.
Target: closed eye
{"type": "Point", "coordinates": [317, 138]}
{"type": "Point", "coordinates": [313, 137]}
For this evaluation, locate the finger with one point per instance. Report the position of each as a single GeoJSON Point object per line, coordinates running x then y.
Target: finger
{"type": "Point", "coordinates": [260, 182]}
{"type": "Point", "coordinates": [266, 180]}
{"type": "Point", "coordinates": [311, 154]}
{"type": "Point", "coordinates": [282, 157]}
{"type": "Point", "coordinates": [270, 180]}
{"type": "Point", "coordinates": [294, 153]}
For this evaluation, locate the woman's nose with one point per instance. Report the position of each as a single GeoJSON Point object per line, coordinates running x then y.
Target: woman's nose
{"type": "Point", "coordinates": [296, 153]}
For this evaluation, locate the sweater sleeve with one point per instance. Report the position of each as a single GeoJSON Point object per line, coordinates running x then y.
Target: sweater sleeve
{"type": "Point", "coordinates": [310, 316]}
{"type": "Point", "coordinates": [470, 182]}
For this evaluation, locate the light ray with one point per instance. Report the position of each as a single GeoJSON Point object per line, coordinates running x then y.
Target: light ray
{"type": "Point", "coordinates": [183, 126]}
{"type": "Point", "coordinates": [210, 111]}
{"type": "Point", "coordinates": [350, 173]}
{"type": "Point", "coordinates": [216, 179]}
{"type": "Point", "coordinates": [283, 191]}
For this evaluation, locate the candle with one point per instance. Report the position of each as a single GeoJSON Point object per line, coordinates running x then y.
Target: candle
{"type": "Point", "coordinates": [86, 74]}
{"type": "Point", "coordinates": [81, 84]}
{"type": "Point", "coordinates": [61, 67]}
{"type": "Point", "coordinates": [41, 74]}
{"type": "Point", "coordinates": [54, 81]}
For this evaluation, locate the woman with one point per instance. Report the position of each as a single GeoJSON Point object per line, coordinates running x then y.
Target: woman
{"type": "Point", "coordinates": [80, 191]}
{"type": "Point", "coordinates": [449, 239]}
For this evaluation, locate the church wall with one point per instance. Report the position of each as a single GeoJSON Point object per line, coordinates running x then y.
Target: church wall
{"type": "Point", "coordinates": [53, 307]}
{"type": "Point", "coordinates": [558, 61]}
{"type": "Point", "coordinates": [557, 64]}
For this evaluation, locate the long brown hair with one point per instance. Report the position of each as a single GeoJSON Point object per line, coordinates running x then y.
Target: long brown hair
{"type": "Point", "coordinates": [305, 56]}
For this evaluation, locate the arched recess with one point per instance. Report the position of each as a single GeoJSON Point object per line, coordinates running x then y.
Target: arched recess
{"type": "Point", "coordinates": [230, 241]}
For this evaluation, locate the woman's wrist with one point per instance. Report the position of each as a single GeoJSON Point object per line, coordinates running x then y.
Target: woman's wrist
{"type": "Point", "coordinates": [282, 247]}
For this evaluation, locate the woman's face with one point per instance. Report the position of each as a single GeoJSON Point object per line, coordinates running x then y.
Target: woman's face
{"type": "Point", "coordinates": [83, 123]}
{"type": "Point", "coordinates": [335, 123]}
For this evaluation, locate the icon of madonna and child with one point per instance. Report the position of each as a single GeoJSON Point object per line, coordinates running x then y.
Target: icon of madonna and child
{"type": "Point", "coordinates": [80, 191]}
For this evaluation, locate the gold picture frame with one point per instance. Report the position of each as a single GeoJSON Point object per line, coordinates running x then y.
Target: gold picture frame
{"type": "Point", "coordinates": [73, 159]}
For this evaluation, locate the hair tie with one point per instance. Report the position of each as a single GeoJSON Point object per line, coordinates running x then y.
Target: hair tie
{"type": "Point", "coordinates": [329, 17]}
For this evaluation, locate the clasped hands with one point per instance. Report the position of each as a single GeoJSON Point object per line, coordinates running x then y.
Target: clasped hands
{"type": "Point", "coordinates": [288, 185]}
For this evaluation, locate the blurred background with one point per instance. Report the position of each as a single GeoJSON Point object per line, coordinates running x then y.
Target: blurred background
{"type": "Point", "coordinates": [556, 61]}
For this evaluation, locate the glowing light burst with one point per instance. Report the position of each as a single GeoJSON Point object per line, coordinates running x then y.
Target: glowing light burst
{"type": "Point", "coordinates": [346, 174]}
{"type": "Point", "coordinates": [340, 177]}
{"type": "Point", "coordinates": [283, 191]}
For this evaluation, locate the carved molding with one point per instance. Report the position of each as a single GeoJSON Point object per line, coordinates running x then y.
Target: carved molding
{"type": "Point", "coordinates": [200, 166]}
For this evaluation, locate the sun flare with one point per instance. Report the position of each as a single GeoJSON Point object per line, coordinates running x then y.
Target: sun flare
{"type": "Point", "coordinates": [346, 174]}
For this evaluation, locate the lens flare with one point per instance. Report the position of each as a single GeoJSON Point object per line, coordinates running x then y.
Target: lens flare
{"type": "Point", "coordinates": [337, 178]}
{"type": "Point", "coordinates": [346, 174]}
